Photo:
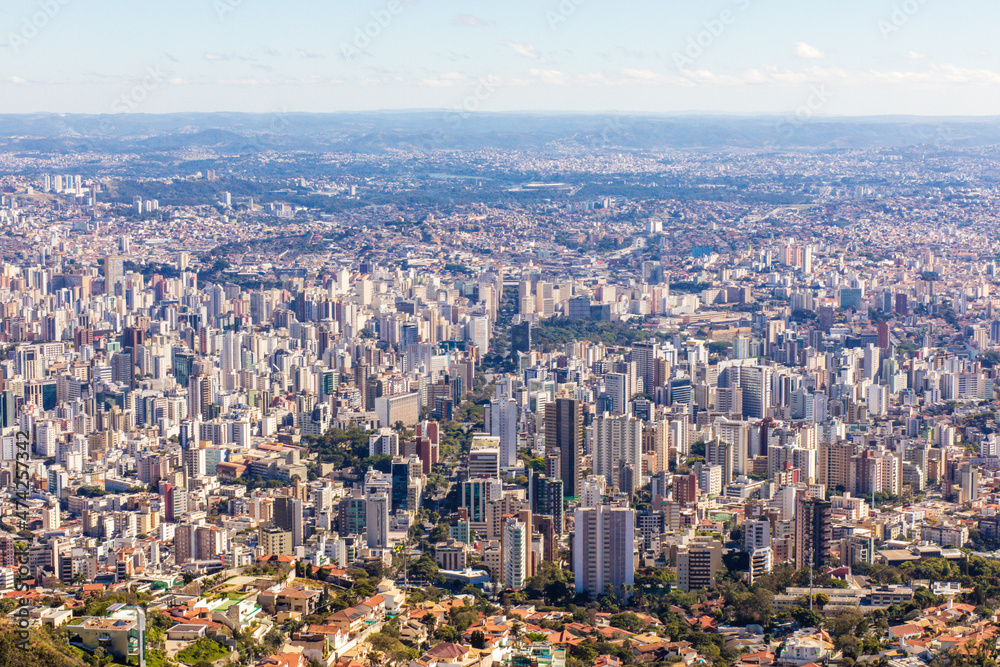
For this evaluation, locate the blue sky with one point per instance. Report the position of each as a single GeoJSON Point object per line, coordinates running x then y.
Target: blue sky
{"type": "Point", "coordinates": [813, 57]}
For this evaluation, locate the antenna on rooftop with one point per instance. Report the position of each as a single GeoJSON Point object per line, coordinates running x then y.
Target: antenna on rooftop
{"type": "Point", "coordinates": [810, 575]}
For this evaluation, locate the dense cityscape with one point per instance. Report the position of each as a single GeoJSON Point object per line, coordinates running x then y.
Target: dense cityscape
{"type": "Point", "coordinates": [576, 404]}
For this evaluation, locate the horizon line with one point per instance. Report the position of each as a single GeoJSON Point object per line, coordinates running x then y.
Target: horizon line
{"type": "Point", "coordinates": [525, 112]}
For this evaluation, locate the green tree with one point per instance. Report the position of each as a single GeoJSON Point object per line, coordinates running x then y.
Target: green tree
{"type": "Point", "coordinates": [628, 621]}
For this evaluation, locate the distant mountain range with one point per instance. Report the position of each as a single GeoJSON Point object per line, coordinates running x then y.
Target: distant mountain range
{"type": "Point", "coordinates": [374, 132]}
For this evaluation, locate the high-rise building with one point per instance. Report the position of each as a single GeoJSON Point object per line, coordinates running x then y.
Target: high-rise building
{"type": "Point", "coordinates": [352, 514]}
{"type": "Point", "coordinates": [545, 496]}
{"type": "Point", "coordinates": [515, 545]}
{"type": "Point", "coordinates": [8, 408]}
{"type": "Point", "coordinates": [604, 549]}
{"type": "Point", "coordinates": [210, 542]}
{"type": "Point", "coordinates": [619, 390]}
{"type": "Point", "coordinates": [193, 459]}
{"type": "Point", "coordinates": [813, 533]}
{"type": "Point", "coordinates": [398, 408]}
{"type": "Point", "coordinates": [121, 368]}
{"type": "Point", "coordinates": [377, 520]}
{"type": "Point", "coordinates": [968, 476]}
{"type": "Point", "coordinates": [902, 307]}
{"type": "Point", "coordinates": [835, 465]}
{"type": "Point", "coordinates": [883, 335]}
{"type": "Point", "coordinates": [686, 489]}
{"type": "Point", "coordinates": [383, 442]}
{"type": "Point", "coordinates": [721, 453]}
{"type": "Point", "coordinates": [182, 365]}
{"type": "Point", "coordinates": [478, 331]}
{"type": "Point", "coordinates": [756, 389]}
{"type": "Point", "coordinates": [484, 458]}
{"type": "Point", "coordinates": [761, 562]}
{"type": "Point", "coordinates": [645, 356]}
{"type": "Point", "coordinates": [474, 497]}
{"type": "Point", "coordinates": [741, 347]}
{"type": "Point", "coordinates": [564, 432]}
{"type": "Point", "coordinates": [501, 422]}
{"type": "Point", "coordinates": [697, 563]}
{"type": "Point", "coordinates": [288, 516]}
{"type": "Point", "coordinates": [185, 543]}
{"type": "Point", "coordinates": [616, 438]}
{"type": "Point", "coordinates": [520, 338]}
{"type": "Point", "coordinates": [113, 272]}
{"type": "Point", "coordinates": [274, 540]}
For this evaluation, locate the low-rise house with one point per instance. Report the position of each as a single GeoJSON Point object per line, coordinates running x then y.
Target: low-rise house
{"type": "Point", "coordinates": [907, 631]}
{"type": "Point", "coordinates": [284, 660]}
{"type": "Point", "coordinates": [413, 631]}
{"type": "Point", "coordinates": [118, 634]}
{"type": "Point", "coordinates": [301, 601]}
{"type": "Point", "coordinates": [315, 646]}
{"type": "Point", "coordinates": [806, 646]}
{"type": "Point", "coordinates": [336, 637]}
{"type": "Point", "coordinates": [350, 620]}
{"type": "Point", "coordinates": [186, 632]}
{"type": "Point", "coordinates": [448, 653]}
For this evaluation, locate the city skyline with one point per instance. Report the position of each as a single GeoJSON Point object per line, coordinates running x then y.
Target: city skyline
{"type": "Point", "coordinates": [563, 333]}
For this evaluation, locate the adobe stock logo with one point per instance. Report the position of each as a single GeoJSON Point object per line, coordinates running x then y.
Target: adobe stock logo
{"type": "Point", "coordinates": [223, 7]}
{"type": "Point", "coordinates": [472, 102]}
{"type": "Point", "coordinates": [131, 100]}
{"type": "Point", "coordinates": [32, 25]}
{"type": "Point", "coordinates": [818, 97]}
{"type": "Point", "coordinates": [712, 30]}
{"type": "Point", "coordinates": [556, 17]}
{"type": "Point", "coordinates": [370, 31]}
{"type": "Point", "coordinates": [899, 17]}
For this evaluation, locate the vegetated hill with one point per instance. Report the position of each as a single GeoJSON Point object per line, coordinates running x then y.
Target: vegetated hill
{"type": "Point", "coordinates": [41, 650]}
{"type": "Point", "coordinates": [430, 130]}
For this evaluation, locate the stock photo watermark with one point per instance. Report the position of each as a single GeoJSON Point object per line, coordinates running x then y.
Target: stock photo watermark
{"type": "Point", "coordinates": [817, 99]}
{"type": "Point", "coordinates": [32, 25]}
{"type": "Point", "coordinates": [899, 17]}
{"type": "Point", "coordinates": [365, 34]}
{"type": "Point", "coordinates": [22, 572]}
{"type": "Point", "coordinates": [265, 140]}
{"type": "Point", "coordinates": [473, 101]}
{"type": "Point", "coordinates": [453, 118]}
{"type": "Point", "coordinates": [225, 7]}
{"type": "Point", "coordinates": [133, 99]}
{"type": "Point", "coordinates": [712, 30]}
{"type": "Point", "coordinates": [127, 102]}
{"type": "Point", "coordinates": [567, 8]}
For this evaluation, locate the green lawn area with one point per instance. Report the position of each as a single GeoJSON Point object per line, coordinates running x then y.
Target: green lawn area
{"type": "Point", "coordinates": [203, 650]}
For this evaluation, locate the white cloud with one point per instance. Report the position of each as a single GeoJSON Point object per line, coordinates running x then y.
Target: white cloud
{"type": "Point", "coordinates": [230, 56]}
{"type": "Point", "coordinates": [549, 76]}
{"type": "Point", "coordinates": [643, 74]}
{"type": "Point", "coordinates": [471, 21]}
{"type": "Point", "coordinates": [16, 79]}
{"type": "Point", "coordinates": [524, 49]}
{"type": "Point", "coordinates": [940, 75]}
{"type": "Point", "coordinates": [808, 52]}
{"type": "Point", "coordinates": [445, 80]}
{"type": "Point", "coordinates": [241, 82]}
{"type": "Point", "coordinates": [801, 78]}
{"type": "Point", "coordinates": [913, 55]}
